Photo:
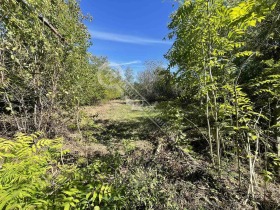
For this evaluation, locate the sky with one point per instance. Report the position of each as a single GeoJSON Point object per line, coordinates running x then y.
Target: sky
{"type": "Point", "coordinates": [129, 32]}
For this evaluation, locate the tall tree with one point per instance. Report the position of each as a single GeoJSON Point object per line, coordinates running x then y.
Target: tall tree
{"type": "Point", "coordinates": [209, 42]}
{"type": "Point", "coordinates": [128, 74]}
{"type": "Point", "coordinates": [43, 47]}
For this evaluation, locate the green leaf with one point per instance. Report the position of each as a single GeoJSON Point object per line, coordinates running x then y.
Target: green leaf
{"type": "Point", "coordinates": [100, 196]}
{"type": "Point", "coordinates": [94, 196]}
{"type": "Point", "coordinates": [88, 195]}
{"type": "Point", "coordinates": [254, 137]}
{"type": "Point", "coordinates": [66, 206]}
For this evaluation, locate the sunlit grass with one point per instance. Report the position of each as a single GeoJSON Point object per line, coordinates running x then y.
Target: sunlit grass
{"type": "Point", "coordinates": [120, 111]}
{"type": "Point", "coordinates": [125, 112]}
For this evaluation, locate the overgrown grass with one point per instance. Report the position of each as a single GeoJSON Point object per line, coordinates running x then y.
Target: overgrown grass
{"type": "Point", "coordinates": [120, 111]}
{"type": "Point", "coordinates": [152, 174]}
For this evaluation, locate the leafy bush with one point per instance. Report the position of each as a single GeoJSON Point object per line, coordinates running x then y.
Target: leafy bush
{"type": "Point", "coordinates": [26, 163]}
{"type": "Point", "coordinates": [146, 189]}
{"type": "Point", "coordinates": [33, 176]}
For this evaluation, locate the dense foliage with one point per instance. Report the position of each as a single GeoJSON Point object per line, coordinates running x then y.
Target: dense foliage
{"type": "Point", "coordinates": [213, 142]}
{"type": "Point", "coordinates": [227, 60]}
{"type": "Point", "coordinates": [154, 84]}
{"type": "Point", "coordinates": [34, 175]}
{"type": "Point", "coordinates": [45, 65]}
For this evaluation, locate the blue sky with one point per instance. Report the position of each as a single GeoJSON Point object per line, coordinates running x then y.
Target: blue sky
{"type": "Point", "coordinates": [129, 32]}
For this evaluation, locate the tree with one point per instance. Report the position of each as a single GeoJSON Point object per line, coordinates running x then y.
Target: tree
{"type": "Point", "coordinates": [261, 77]}
{"type": "Point", "coordinates": [128, 75]}
{"type": "Point", "coordinates": [155, 83]}
{"type": "Point", "coordinates": [209, 42]}
{"type": "Point", "coordinates": [45, 67]}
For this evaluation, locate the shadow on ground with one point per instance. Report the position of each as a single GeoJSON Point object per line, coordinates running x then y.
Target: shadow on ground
{"type": "Point", "coordinates": [141, 128]}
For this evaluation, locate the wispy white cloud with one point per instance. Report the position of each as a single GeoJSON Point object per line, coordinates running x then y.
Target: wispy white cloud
{"type": "Point", "coordinates": [126, 38]}
{"type": "Point", "coordinates": [114, 64]}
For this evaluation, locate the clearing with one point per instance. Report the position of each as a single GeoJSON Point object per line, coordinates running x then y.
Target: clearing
{"type": "Point", "coordinates": [151, 164]}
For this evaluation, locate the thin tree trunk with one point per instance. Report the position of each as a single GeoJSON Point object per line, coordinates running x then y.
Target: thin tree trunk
{"type": "Point", "coordinates": [207, 113]}
{"type": "Point", "coordinates": [237, 132]}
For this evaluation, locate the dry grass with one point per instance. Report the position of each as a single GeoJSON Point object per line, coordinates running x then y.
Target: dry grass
{"type": "Point", "coordinates": [118, 110]}
{"type": "Point", "coordinates": [112, 124]}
